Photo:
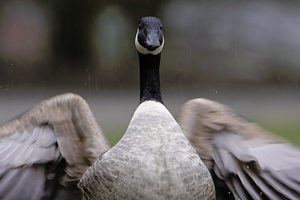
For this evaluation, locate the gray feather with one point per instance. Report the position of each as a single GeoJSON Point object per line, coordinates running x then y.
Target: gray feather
{"type": "Point", "coordinates": [241, 153]}
{"type": "Point", "coordinates": [32, 147]}
{"type": "Point", "coordinates": [23, 183]}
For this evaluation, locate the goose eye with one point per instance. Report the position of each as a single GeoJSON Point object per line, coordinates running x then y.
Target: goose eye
{"type": "Point", "coordinates": [161, 28]}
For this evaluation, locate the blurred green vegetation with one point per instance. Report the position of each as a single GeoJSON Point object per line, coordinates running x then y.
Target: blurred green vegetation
{"type": "Point", "coordinates": [290, 132]}
{"type": "Point", "coordinates": [114, 137]}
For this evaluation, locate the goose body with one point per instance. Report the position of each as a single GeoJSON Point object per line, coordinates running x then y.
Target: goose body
{"type": "Point", "coordinates": [153, 160]}
{"type": "Point", "coordinates": [246, 161]}
{"type": "Point", "coordinates": [45, 151]}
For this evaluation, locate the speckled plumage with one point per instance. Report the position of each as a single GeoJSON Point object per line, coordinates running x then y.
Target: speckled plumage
{"type": "Point", "coordinates": [153, 160]}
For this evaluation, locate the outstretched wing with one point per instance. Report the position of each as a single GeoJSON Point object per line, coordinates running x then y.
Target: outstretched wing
{"type": "Point", "coordinates": [245, 160]}
{"type": "Point", "coordinates": [48, 148]}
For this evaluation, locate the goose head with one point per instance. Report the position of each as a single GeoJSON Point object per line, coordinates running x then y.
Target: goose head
{"type": "Point", "coordinates": [149, 38]}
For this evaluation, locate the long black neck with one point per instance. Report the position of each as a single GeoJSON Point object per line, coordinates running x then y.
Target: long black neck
{"type": "Point", "coordinates": [149, 78]}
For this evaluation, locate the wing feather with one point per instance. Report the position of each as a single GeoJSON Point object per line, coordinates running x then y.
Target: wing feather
{"type": "Point", "coordinates": [240, 190]}
{"type": "Point", "coordinates": [32, 147]}
{"type": "Point", "coordinates": [280, 187]}
{"type": "Point", "coordinates": [232, 189]}
{"type": "Point", "coordinates": [253, 163]}
{"type": "Point", "coordinates": [261, 184]}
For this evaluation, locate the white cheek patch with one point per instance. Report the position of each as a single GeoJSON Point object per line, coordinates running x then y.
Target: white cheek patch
{"type": "Point", "coordinates": [143, 50]}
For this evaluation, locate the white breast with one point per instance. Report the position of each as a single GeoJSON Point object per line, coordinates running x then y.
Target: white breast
{"type": "Point", "coordinates": [153, 160]}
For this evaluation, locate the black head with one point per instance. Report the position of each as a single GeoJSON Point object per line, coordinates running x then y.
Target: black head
{"type": "Point", "coordinates": [149, 38]}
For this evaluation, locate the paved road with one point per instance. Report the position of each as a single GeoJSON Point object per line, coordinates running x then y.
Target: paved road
{"type": "Point", "coordinates": [114, 109]}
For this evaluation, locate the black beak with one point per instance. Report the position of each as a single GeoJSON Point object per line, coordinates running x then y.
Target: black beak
{"type": "Point", "coordinates": [152, 41]}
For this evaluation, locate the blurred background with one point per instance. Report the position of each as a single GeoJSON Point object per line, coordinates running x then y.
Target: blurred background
{"type": "Point", "coordinates": [245, 54]}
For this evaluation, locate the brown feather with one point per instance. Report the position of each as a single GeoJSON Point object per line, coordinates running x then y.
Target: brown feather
{"type": "Point", "coordinates": [59, 127]}
{"type": "Point", "coordinates": [246, 157]}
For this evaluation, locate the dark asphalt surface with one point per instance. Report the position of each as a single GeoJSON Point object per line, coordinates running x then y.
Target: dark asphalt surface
{"type": "Point", "coordinates": [114, 108]}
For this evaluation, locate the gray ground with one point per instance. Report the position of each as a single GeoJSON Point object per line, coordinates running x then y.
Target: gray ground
{"type": "Point", "coordinates": [114, 109]}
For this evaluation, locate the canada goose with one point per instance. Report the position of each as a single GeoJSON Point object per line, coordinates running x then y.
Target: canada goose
{"type": "Point", "coordinates": [59, 139]}
{"type": "Point", "coordinates": [153, 160]}
{"type": "Point", "coordinates": [45, 151]}
{"type": "Point", "coordinates": [246, 161]}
